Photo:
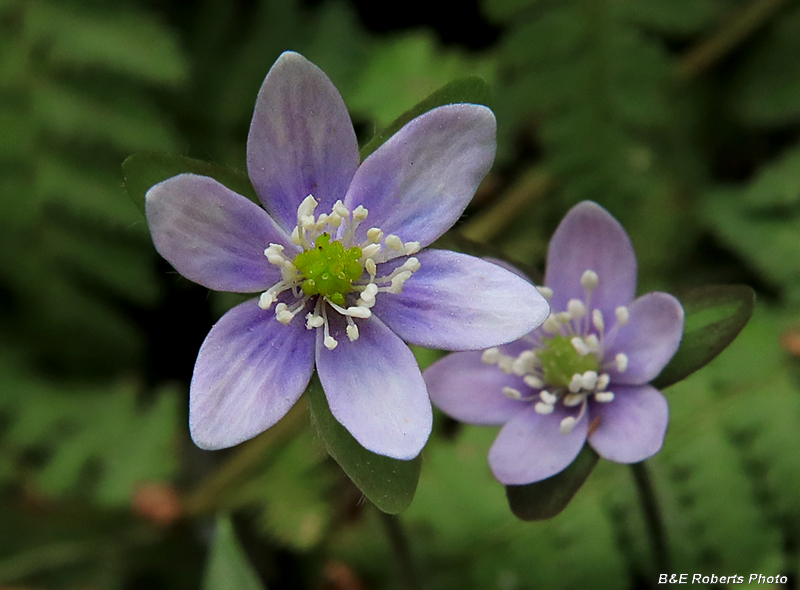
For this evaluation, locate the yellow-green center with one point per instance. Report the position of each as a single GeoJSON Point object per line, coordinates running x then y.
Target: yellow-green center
{"type": "Point", "coordinates": [560, 361]}
{"type": "Point", "coordinates": [329, 269]}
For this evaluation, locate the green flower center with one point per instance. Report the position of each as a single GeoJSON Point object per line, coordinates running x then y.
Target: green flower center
{"type": "Point", "coordinates": [328, 269]}
{"type": "Point", "coordinates": [560, 361]}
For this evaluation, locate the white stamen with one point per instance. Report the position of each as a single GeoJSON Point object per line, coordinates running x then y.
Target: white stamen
{"type": "Point", "coordinates": [506, 363]}
{"type": "Point", "coordinates": [411, 248]}
{"type": "Point", "coordinates": [307, 207]}
{"type": "Point", "coordinates": [580, 346]}
{"type": "Point", "coordinates": [359, 312]}
{"type": "Point", "coordinates": [602, 381]}
{"type": "Point", "coordinates": [374, 235]}
{"type": "Point", "coordinates": [589, 380]}
{"type": "Point", "coordinates": [563, 317]}
{"type": "Point", "coordinates": [622, 362]}
{"type": "Point", "coordinates": [334, 219]}
{"type": "Point", "coordinates": [543, 408]}
{"type": "Point", "coordinates": [597, 320]}
{"type": "Point", "coordinates": [394, 242]}
{"type": "Point", "coordinates": [567, 424]}
{"type": "Point", "coordinates": [340, 209]}
{"type": "Point", "coordinates": [533, 381]}
{"type": "Point", "coordinates": [519, 367]}
{"type": "Point", "coordinates": [283, 314]}
{"type": "Point", "coordinates": [576, 309]}
{"type": "Point", "coordinates": [623, 315]}
{"type": "Point", "coordinates": [512, 393]}
{"type": "Point", "coordinates": [360, 213]}
{"type": "Point", "coordinates": [573, 399]}
{"type": "Point", "coordinates": [590, 280]}
{"type": "Point", "coordinates": [604, 397]}
{"type": "Point", "coordinates": [295, 237]}
{"type": "Point", "coordinates": [330, 342]}
{"type": "Point", "coordinates": [547, 397]}
{"type": "Point", "coordinates": [491, 356]}
{"type": "Point", "coordinates": [352, 332]}
{"type": "Point", "coordinates": [576, 383]}
{"type": "Point", "coordinates": [592, 342]}
{"type": "Point", "coordinates": [412, 264]}
{"type": "Point", "coordinates": [266, 300]}
{"type": "Point", "coordinates": [551, 325]}
{"type": "Point", "coordinates": [370, 251]}
{"type": "Point", "coordinates": [371, 267]}
{"type": "Point", "coordinates": [314, 321]}
{"type": "Point", "coordinates": [397, 282]}
{"type": "Point", "coordinates": [546, 292]}
{"type": "Point", "coordinates": [369, 292]}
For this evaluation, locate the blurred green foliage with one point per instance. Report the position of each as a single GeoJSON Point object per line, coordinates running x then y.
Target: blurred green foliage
{"type": "Point", "coordinates": [682, 117]}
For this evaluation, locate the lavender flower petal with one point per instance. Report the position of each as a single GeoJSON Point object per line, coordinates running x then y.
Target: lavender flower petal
{"type": "Point", "coordinates": [632, 427]}
{"type": "Point", "coordinates": [301, 140]}
{"type": "Point", "coordinates": [211, 235]}
{"type": "Point", "coordinates": [466, 389]}
{"type": "Point", "coordinates": [650, 339]}
{"type": "Point", "coordinates": [530, 447]}
{"type": "Point", "coordinates": [589, 238]}
{"type": "Point", "coordinates": [417, 184]}
{"type": "Point", "coordinates": [375, 389]}
{"type": "Point", "coordinates": [459, 302]}
{"type": "Point", "coordinates": [249, 373]}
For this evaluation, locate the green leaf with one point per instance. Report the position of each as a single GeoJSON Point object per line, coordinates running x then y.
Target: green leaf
{"type": "Point", "coordinates": [471, 89]}
{"type": "Point", "coordinates": [547, 498]}
{"type": "Point", "coordinates": [142, 171]}
{"type": "Point", "coordinates": [388, 483]}
{"type": "Point", "coordinates": [714, 316]}
{"type": "Point", "coordinates": [228, 567]}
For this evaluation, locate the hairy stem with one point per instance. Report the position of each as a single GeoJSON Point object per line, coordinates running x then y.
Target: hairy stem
{"type": "Point", "coordinates": [401, 550]}
{"type": "Point", "coordinates": [652, 516]}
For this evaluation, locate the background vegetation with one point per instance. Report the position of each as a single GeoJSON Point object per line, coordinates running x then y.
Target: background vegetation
{"type": "Point", "coordinates": [682, 117]}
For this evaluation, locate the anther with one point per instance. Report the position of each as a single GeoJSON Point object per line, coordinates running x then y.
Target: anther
{"type": "Point", "coordinates": [590, 380]}
{"type": "Point", "coordinates": [314, 321]}
{"type": "Point", "coordinates": [283, 315]}
{"type": "Point", "coordinates": [374, 235]}
{"type": "Point", "coordinates": [621, 361]}
{"type": "Point", "coordinates": [266, 300]}
{"type": "Point", "coordinates": [371, 267]}
{"type": "Point", "coordinates": [412, 264]}
{"type": "Point", "coordinates": [491, 356]}
{"type": "Point", "coordinates": [330, 342]}
{"type": "Point", "coordinates": [580, 346]}
{"type": "Point", "coordinates": [567, 425]}
{"type": "Point", "coordinates": [589, 280]}
{"type": "Point", "coordinates": [573, 399]}
{"type": "Point", "coordinates": [551, 325]}
{"type": "Point", "coordinates": [623, 315]}
{"type": "Point", "coordinates": [604, 397]}
{"type": "Point", "coordinates": [545, 292]}
{"type": "Point", "coordinates": [602, 381]}
{"type": "Point", "coordinates": [576, 309]}
{"type": "Point", "coordinates": [506, 364]}
{"type": "Point", "coordinates": [592, 342]}
{"type": "Point", "coordinates": [547, 397]}
{"type": "Point", "coordinates": [597, 320]}
{"type": "Point", "coordinates": [410, 248]}
{"type": "Point", "coordinates": [360, 213]}
{"type": "Point", "coordinates": [340, 209]}
{"type": "Point", "coordinates": [352, 332]}
{"type": "Point", "coordinates": [576, 383]}
{"type": "Point", "coordinates": [563, 317]}
{"type": "Point", "coordinates": [543, 408]}
{"type": "Point", "coordinates": [394, 242]}
{"type": "Point", "coordinates": [370, 251]}
{"type": "Point", "coordinates": [512, 393]}
{"type": "Point", "coordinates": [369, 292]}
{"type": "Point", "coordinates": [533, 381]}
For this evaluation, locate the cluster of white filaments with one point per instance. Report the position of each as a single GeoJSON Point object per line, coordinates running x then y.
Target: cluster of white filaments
{"type": "Point", "coordinates": [567, 361]}
{"type": "Point", "coordinates": [334, 270]}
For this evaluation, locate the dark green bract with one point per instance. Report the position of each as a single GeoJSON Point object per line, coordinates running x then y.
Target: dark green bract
{"type": "Point", "coordinates": [329, 269]}
{"type": "Point", "coordinates": [561, 361]}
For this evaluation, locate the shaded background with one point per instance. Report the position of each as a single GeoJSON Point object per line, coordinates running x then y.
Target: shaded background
{"type": "Point", "coordinates": [682, 117]}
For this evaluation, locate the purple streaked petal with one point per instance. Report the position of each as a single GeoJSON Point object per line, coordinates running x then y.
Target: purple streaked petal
{"type": "Point", "coordinates": [418, 183]}
{"type": "Point", "coordinates": [531, 448]}
{"type": "Point", "coordinates": [249, 373]}
{"type": "Point", "coordinates": [212, 235]}
{"type": "Point", "coordinates": [589, 238]}
{"type": "Point", "coordinates": [459, 302]}
{"type": "Point", "coordinates": [375, 389]}
{"type": "Point", "coordinates": [301, 140]}
{"type": "Point", "coordinates": [465, 388]}
{"type": "Point", "coordinates": [649, 340]}
{"type": "Point", "coordinates": [632, 427]}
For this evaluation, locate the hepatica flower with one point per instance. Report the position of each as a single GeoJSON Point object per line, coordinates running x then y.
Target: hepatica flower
{"type": "Point", "coordinates": [335, 259]}
{"type": "Point", "coordinates": [584, 374]}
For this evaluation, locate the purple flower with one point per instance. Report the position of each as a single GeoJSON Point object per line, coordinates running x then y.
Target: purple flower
{"type": "Point", "coordinates": [584, 373]}
{"type": "Point", "coordinates": [336, 259]}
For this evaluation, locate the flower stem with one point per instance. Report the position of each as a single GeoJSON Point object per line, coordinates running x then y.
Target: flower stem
{"type": "Point", "coordinates": [208, 495]}
{"type": "Point", "coordinates": [652, 516]}
{"type": "Point", "coordinates": [735, 30]}
{"type": "Point", "coordinates": [401, 549]}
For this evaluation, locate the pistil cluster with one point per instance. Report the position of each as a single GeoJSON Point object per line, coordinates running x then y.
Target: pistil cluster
{"type": "Point", "coordinates": [335, 273]}
{"type": "Point", "coordinates": [567, 361]}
